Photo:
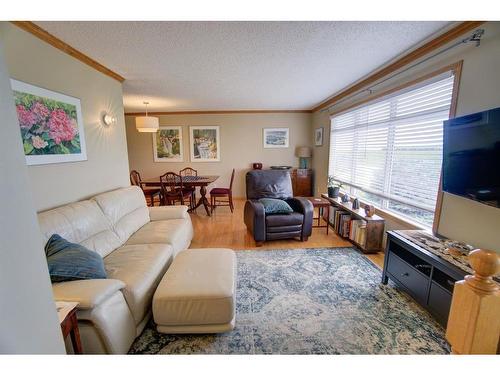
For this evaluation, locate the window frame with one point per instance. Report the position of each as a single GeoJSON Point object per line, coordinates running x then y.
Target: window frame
{"type": "Point", "coordinates": [456, 69]}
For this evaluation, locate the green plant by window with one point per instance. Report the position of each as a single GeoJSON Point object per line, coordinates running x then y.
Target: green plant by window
{"type": "Point", "coordinates": [333, 183]}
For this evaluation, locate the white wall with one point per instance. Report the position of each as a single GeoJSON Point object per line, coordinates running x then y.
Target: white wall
{"type": "Point", "coordinates": [28, 318]}
{"type": "Point", "coordinates": [241, 137]}
{"type": "Point", "coordinates": [33, 61]}
{"type": "Point", "coordinates": [461, 219]}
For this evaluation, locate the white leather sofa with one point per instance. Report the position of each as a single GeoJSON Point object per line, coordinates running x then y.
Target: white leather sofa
{"type": "Point", "coordinates": [137, 243]}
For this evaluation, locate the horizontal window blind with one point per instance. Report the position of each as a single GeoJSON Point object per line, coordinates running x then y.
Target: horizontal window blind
{"type": "Point", "coordinates": [393, 147]}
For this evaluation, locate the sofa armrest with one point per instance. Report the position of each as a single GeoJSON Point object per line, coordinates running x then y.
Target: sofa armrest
{"type": "Point", "coordinates": [255, 219]}
{"type": "Point", "coordinates": [168, 212]}
{"type": "Point", "coordinates": [88, 293]}
{"type": "Point", "coordinates": [305, 207]}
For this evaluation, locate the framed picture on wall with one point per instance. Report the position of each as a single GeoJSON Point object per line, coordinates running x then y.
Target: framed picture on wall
{"type": "Point", "coordinates": [50, 125]}
{"type": "Point", "coordinates": [204, 143]}
{"type": "Point", "coordinates": [318, 137]}
{"type": "Point", "coordinates": [276, 137]}
{"type": "Point", "coordinates": [167, 144]}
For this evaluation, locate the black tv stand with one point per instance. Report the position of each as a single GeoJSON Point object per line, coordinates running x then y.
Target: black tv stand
{"type": "Point", "coordinates": [429, 279]}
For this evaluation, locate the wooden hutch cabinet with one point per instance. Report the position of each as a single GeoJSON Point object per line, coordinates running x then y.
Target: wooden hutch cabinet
{"type": "Point", "coordinates": [302, 182]}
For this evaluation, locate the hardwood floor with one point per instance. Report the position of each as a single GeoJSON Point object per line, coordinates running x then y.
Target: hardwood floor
{"type": "Point", "coordinates": [226, 229]}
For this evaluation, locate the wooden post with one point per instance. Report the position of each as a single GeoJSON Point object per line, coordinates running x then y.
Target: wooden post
{"type": "Point", "coordinates": [474, 321]}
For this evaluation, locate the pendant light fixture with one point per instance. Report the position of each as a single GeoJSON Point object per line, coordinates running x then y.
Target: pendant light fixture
{"type": "Point", "coordinates": [146, 124]}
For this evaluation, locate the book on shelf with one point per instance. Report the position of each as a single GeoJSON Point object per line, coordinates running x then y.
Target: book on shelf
{"type": "Point", "coordinates": [346, 224]}
{"type": "Point", "coordinates": [354, 227]}
{"type": "Point", "coordinates": [358, 232]}
{"type": "Point", "coordinates": [336, 221]}
{"type": "Point", "coordinates": [331, 213]}
{"type": "Point", "coordinates": [342, 221]}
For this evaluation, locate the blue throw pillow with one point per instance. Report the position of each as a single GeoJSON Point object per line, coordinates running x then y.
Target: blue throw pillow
{"type": "Point", "coordinates": [275, 206]}
{"type": "Point", "coordinates": [70, 261]}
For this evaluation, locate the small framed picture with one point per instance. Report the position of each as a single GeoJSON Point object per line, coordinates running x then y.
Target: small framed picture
{"type": "Point", "coordinates": [204, 143]}
{"type": "Point", "coordinates": [276, 137]}
{"type": "Point", "coordinates": [167, 144]}
{"type": "Point", "coordinates": [318, 137]}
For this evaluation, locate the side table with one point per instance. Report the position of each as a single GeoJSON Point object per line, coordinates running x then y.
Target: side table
{"type": "Point", "coordinates": [321, 204]}
{"type": "Point", "coordinates": [69, 323]}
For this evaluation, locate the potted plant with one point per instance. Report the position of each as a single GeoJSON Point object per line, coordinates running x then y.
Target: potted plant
{"type": "Point", "coordinates": [333, 187]}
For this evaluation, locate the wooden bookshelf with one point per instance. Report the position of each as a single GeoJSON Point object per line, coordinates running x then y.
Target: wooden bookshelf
{"type": "Point", "coordinates": [374, 225]}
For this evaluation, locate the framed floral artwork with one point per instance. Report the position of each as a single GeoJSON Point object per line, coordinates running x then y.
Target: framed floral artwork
{"type": "Point", "coordinates": [276, 137]}
{"type": "Point", "coordinates": [50, 123]}
{"type": "Point", "coordinates": [205, 143]}
{"type": "Point", "coordinates": [167, 144]}
{"type": "Point", "coordinates": [318, 137]}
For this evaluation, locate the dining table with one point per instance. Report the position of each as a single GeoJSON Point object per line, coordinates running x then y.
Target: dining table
{"type": "Point", "coordinates": [190, 181]}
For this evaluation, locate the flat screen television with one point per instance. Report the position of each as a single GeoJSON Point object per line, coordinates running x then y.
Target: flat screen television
{"type": "Point", "coordinates": [471, 157]}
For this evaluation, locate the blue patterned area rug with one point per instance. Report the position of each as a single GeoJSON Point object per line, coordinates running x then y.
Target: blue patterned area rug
{"type": "Point", "coordinates": [311, 301]}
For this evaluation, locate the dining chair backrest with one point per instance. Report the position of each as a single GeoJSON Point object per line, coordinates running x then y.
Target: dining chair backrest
{"type": "Point", "coordinates": [171, 183]}
{"type": "Point", "coordinates": [135, 178]}
{"type": "Point", "coordinates": [232, 179]}
{"type": "Point", "coordinates": [188, 171]}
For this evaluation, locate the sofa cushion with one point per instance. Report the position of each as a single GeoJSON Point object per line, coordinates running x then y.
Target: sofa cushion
{"type": "Point", "coordinates": [125, 208]}
{"type": "Point", "coordinates": [69, 261]}
{"type": "Point", "coordinates": [294, 218]}
{"type": "Point", "coordinates": [176, 232]}
{"type": "Point", "coordinates": [168, 212]}
{"type": "Point", "coordinates": [141, 268]}
{"type": "Point", "coordinates": [80, 222]}
{"type": "Point", "coordinates": [88, 293]}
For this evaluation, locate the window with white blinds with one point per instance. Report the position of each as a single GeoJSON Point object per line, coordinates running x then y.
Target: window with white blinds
{"type": "Point", "coordinates": [391, 149]}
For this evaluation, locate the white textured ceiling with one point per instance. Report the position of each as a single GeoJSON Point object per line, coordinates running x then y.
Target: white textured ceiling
{"type": "Point", "coordinates": [239, 65]}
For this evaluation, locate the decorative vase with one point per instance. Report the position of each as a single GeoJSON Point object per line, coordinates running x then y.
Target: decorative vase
{"type": "Point", "coordinates": [257, 165]}
{"type": "Point", "coordinates": [303, 163]}
{"type": "Point", "coordinates": [333, 191]}
{"type": "Point", "coordinates": [369, 210]}
{"type": "Point", "coordinates": [345, 198]}
{"type": "Point", "coordinates": [355, 204]}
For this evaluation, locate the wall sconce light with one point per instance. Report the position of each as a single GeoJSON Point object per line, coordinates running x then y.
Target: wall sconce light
{"type": "Point", "coordinates": [108, 120]}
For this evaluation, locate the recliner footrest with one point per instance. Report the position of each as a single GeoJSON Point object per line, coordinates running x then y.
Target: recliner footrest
{"type": "Point", "coordinates": [288, 228]}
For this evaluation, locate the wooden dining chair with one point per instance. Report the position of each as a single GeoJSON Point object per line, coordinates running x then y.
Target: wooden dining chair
{"type": "Point", "coordinates": [222, 193]}
{"type": "Point", "coordinates": [172, 190]}
{"type": "Point", "coordinates": [149, 192]}
{"type": "Point", "coordinates": [188, 171]}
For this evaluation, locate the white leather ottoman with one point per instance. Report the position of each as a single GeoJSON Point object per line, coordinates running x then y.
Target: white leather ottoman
{"type": "Point", "coordinates": [197, 293]}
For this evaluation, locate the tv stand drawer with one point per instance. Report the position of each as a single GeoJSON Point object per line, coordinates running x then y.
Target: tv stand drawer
{"type": "Point", "coordinates": [440, 302]}
{"type": "Point", "coordinates": [411, 279]}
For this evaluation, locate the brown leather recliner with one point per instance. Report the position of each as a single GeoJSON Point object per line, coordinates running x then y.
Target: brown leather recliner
{"type": "Point", "coordinates": [275, 184]}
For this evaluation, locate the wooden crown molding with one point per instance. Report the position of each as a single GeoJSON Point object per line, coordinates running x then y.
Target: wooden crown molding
{"type": "Point", "coordinates": [47, 37]}
{"type": "Point", "coordinates": [241, 111]}
{"type": "Point", "coordinates": [412, 56]}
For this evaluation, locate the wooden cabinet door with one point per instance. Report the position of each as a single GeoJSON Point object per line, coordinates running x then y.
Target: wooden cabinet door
{"type": "Point", "coordinates": [302, 182]}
